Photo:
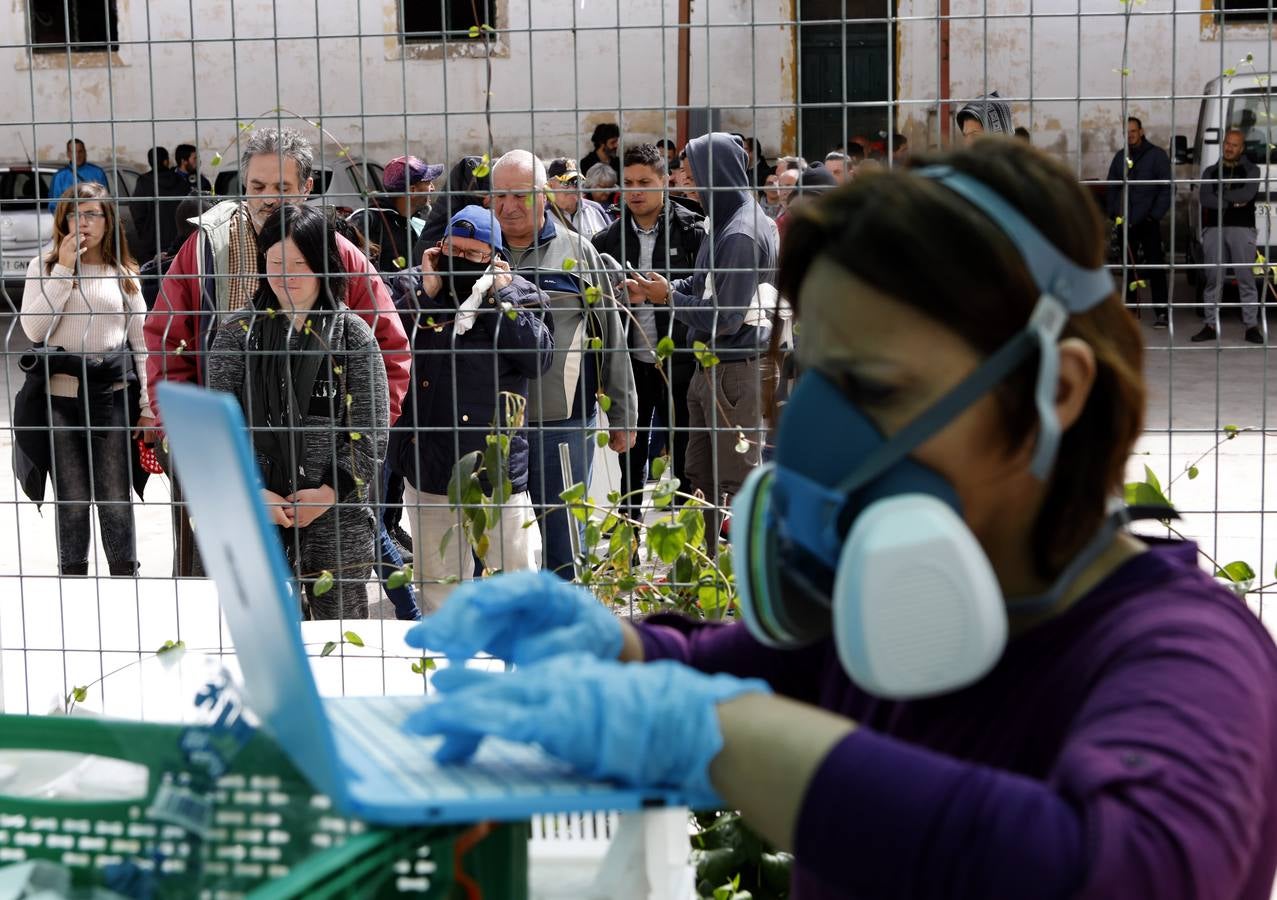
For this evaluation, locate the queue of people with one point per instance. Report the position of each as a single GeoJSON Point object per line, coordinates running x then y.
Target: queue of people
{"type": "Point", "coordinates": [514, 280]}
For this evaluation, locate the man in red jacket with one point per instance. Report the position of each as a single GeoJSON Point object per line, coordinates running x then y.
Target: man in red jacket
{"type": "Point", "coordinates": [215, 273]}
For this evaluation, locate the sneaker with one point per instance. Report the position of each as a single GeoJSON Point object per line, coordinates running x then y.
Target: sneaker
{"type": "Point", "coordinates": [1161, 322]}
{"type": "Point", "coordinates": [1206, 334]}
{"type": "Point", "coordinates": [1254, 335]}
{"type": "Point", "coordinates": [403, 543]}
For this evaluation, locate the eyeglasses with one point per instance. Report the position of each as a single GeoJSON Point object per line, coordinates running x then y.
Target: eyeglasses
{"type": "Point", "coordinates": [91, 215]}
{"type": "Point", "coordinates": [474, 256]}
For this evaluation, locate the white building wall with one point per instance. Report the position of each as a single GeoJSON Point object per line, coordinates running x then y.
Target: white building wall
{"type": "Point", "coordinates": [566, 65]}
{"type": "Point", "coordinates": [1061, 59]}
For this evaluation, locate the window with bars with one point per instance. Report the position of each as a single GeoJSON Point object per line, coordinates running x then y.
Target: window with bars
{"type": "Point", "coordinates": [74, 26]}
{"type": "Point", "coordinates": [427, 21]}
{"type": "Point", "coordinates": [1236, 12]}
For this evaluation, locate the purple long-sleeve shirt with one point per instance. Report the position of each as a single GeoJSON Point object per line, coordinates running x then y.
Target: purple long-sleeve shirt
{"type": "Point", "coordinates": [1125, 749]}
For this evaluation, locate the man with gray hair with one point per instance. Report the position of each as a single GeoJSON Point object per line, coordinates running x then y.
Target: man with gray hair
{"type": "Point", "coordinates": [591, 366]}
{"type": "Point", "coordinates": [215, 273]}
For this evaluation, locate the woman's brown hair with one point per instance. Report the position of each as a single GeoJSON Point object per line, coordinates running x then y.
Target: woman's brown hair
{"type": "Point", "coordinates": [923, 244]}
{"type": "Point", "coordinates": [116, 255]}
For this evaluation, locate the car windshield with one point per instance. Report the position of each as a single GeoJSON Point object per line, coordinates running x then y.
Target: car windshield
{"type": "Point", "coordinates": [21, 188]}
{"type": "Point", "coordinates": [1254, 114]}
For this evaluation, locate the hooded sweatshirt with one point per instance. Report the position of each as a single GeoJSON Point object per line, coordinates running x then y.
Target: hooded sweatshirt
{"type": "Point", "coordinates": [724, 303]}
{"type": "Point", "coordinates": [992, 111]}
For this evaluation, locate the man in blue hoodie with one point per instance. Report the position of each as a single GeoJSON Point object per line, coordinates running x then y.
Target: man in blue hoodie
{"type": "Point", "coordinates": [727, 305]}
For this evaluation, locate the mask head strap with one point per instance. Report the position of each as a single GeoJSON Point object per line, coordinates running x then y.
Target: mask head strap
{"type": "Point", "coordinates": [1065, 289]}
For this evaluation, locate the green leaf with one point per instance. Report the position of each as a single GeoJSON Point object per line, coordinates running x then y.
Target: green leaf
{"type": "Point", "coordinates": [400, 262]}
{"type": "Point", "coordinates": [329, 647]}
{"type": "Point", "coordinates": [613, 497]}
{"type": "Point", "coordinates": [399, 578]}
{"type": "Point", "coordinates": [1151, 477]}
{"type": "Point", "coordinates": [684, 572]}
{"type": "Point", "coordinates": [323, 584]}
{"type": "Point", "coordinates": [424, 665]}
{"type": "Point", "coordinates": [593, 534]}
{"type": "Point", "coordinates": [487, 28]}
{"type": "Point", "coordinates": [724, 559]}
{"type": "Point", "coordinates": [170, 646]}
{"type": "Point", "coordinates": [356, 436]}
{"type": "Point", "coordinates": [459, 484]}
{"type": "Point", "coordinates": [1236, 572]}
{"type": "Point", "coordinates": [621, 544]}
{"type": "Point", "coordinates": [605, 402]}
{"type": "Point", "coordinates": [1141, 493]}
{"type": "Point", "coordinates": [666, 540]}
{"type": "Point", "coordinates": [703, 355]}
{"type": "Point", "coordinates": [658, 467]}
{"type": "Point", "coordinates": [665, 348]}
{"type": "Point", "coordinates": [353, 638]}
{"type": "Point", "coordinates": [596, 343]}
{"type": "Point", "coordinates": [693, 522]}
{"type": "Point", "coordinates": [216, 160]}
{"type": "Point", "coordinates": [1231, 431]}
{"type": "Point", "coordinates": [573, 494]}
{"type": "Point", "coordinates": [79, 694]}
{"type": "Point", "coordinates": [443, 541]}
{"type": "Point", "coordinates": [1192, 472]}
{"type": "Point", "coordinates": [742, 444]}
{"type": "Point", "coordinates": [663, 492]}
{"type": "Point", "coordinates": [484, 168]}
{"type": "Point", "coordinates": [601, 439]}
{"type": "Point", "coordinates": [568, 264]}
{"type": "Point", "coordinates": [474, 31]}
{"type": "Point", "coordinates": [593, 293]}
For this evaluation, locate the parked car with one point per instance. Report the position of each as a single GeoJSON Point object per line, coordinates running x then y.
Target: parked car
{"type": "Point", "coordinates": [1239, 101]}
{"type": "Point", "coordinates": [26, 226]}
{"type": "Point", "coordinates": [344, 185]}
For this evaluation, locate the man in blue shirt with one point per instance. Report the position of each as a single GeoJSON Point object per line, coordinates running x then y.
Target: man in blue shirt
{"type": "Point", "coordinates": [77, 169]}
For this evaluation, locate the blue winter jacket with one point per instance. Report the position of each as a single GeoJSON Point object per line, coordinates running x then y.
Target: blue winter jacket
{"type": "Point", "coordinates": [454, 396]}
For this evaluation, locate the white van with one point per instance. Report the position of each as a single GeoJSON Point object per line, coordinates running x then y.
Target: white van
{"type": "Point", "coordinates": [1238, 101]}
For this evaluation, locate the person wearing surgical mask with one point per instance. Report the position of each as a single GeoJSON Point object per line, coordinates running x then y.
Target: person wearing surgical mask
{"type": "Point", "coordinates": [479, 334]}
{"type": "Point", "coordinates": [953, 671]}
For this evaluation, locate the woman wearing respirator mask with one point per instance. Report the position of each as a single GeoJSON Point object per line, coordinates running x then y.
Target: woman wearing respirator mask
{"type": "Point", "coordinates": [957, 675]}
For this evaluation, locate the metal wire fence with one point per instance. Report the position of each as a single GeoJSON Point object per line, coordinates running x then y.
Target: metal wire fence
{"type": "Point", "coordinates": [458, 83]}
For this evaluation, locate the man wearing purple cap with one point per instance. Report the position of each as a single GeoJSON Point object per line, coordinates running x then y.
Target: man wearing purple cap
{"type": "Point", "coordinates": [480, 332]}
{"type": "Point", "coordinates": [391, 221]}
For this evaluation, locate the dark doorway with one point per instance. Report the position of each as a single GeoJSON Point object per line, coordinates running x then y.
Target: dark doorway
{"type": "Point", "coordinates": [842, 60]}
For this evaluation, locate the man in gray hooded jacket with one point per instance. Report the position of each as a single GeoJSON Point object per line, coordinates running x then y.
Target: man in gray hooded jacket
{"type": "Point", "coordinates": [727, 305]}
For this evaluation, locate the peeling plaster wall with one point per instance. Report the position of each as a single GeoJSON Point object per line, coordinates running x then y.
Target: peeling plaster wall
{"type": "Point", "coordinates": [1062, 56]}
{"type": "Point", "coordinates": [574, 70]}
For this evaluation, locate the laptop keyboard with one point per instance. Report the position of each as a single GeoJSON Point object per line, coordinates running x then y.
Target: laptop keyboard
{"type": "Point", "coordinates": [373, 726]}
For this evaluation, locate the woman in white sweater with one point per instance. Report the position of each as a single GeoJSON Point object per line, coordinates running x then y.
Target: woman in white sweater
{"type": "Point", "coordinates": [82, 301]}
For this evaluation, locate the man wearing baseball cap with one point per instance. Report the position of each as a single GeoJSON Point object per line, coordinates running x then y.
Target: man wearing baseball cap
{"type": "Point", "coordinates": [563, 182]}
{"type": "Point", "coordinates": [481, 332]}
{"type": "Point", "coordinates": [391, 222]}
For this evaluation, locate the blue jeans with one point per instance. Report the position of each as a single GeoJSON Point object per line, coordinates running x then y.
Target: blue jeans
{"type": "Point", "coordinates": [404, 599]}
{"type": "Point", "coordinates": [545, 483]}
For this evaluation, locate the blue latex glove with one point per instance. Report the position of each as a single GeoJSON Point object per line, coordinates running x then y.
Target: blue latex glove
{"type": "Point", "coordinates": [522, 617]}
{"type": "Point", "coordinates": [645, 725]}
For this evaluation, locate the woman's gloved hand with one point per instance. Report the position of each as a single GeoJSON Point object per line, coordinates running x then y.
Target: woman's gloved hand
{"type": "Point", "coordinates": [645, 725]}
{"type": "Point", "coordinates": [522, 617]}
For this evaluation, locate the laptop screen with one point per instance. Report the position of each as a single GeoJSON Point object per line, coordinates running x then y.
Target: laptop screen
{"type": "Point", "coordinates": [241, 551]}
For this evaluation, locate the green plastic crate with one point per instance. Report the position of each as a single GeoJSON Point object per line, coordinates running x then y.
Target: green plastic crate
{"type": "Point", "coordinates": [272, 836]}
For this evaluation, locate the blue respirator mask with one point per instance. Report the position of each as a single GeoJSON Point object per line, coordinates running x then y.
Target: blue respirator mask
{"type": "Point", "coordinates": [845, 533]}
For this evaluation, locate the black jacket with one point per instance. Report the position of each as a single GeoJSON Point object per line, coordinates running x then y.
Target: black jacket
{"type": "Point", "coordinates": [1235, 203]}
{"type": "Point", "coordinates": [154, 209]}
{"type": "Point", "coordinates": [686, 231]}
{"type": "Point", "coordinates": [1151, 201]}
{"type": "Point", "coordinates": [457, 381]}
{"type": "Point", "coordinates": [33, 438]}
